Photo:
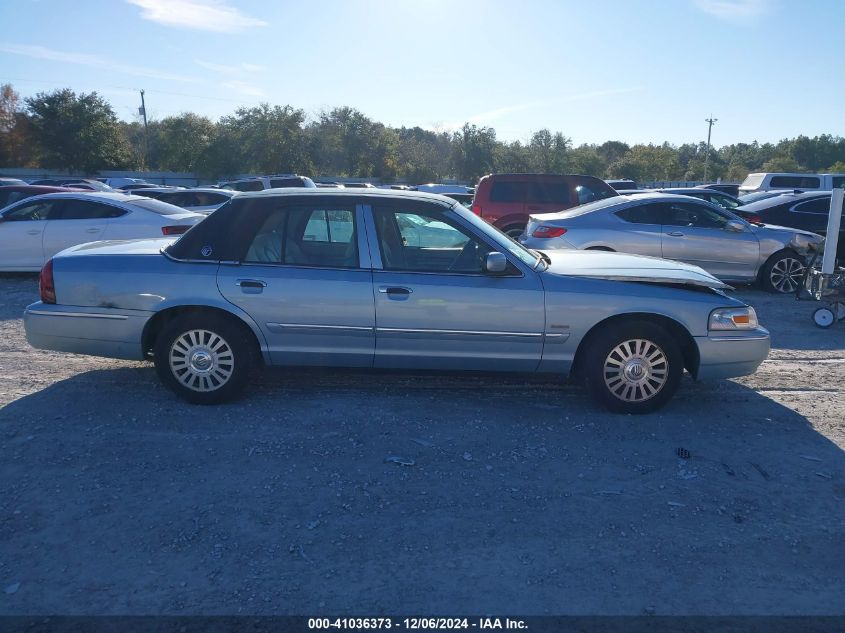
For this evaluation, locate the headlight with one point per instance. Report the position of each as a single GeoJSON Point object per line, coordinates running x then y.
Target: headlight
{"type": "Point", "coordinates": [733, 319]}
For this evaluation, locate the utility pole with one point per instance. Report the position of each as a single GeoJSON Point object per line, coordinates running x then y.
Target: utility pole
{"type": "Point", "coordinates": [143, 112]}
{"type": "Point", "coordinates": [710, 122]}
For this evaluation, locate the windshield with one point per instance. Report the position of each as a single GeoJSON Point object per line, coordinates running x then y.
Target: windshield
{"type": "Point", "coordinates": [157, 206]}
{"type": "Point", "coordinates": [753, 180]}
{"type": "Point", "coordinates": [513, 247]}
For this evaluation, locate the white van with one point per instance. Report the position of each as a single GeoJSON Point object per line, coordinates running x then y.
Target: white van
{"type": "Point", "coordinates": [767, 181]}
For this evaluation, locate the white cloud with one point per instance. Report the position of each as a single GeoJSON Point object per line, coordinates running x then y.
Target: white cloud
{"type": "Point", "coordinates": [230, 69]}
{"type": "Point", "coordinates": [733, 9]}
{"type": "Point", "coordinates": [244, 88]}
{"type": "Point", "coordinates": [202, 15]}
{"type": "Point", "coordinates": [85, 59]}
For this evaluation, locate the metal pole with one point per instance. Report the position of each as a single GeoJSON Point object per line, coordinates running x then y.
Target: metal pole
{"type": "Point", "coordinates": [146, 130]}
{"type": "Point", "coordinates": [834, 221]}
{"type": "Point", "coordinates": [710, 122]}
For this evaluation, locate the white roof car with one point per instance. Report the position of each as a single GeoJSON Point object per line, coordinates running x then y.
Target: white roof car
{"type": "Point", "coordinates": [767, 181]}
{"type": "Point", "coordinates": [35, 229]}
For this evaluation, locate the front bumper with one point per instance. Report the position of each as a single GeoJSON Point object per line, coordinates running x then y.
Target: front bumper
{"type": "Point", "coordinates": [731, 354]}
{"type": "Point", "coordinates": [93, 331]}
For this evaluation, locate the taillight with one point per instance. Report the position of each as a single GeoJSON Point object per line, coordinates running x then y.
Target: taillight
{"type": "Point", "coordinates": [476, 209]}
{"type": "Point", "coordinates": [548, 231]}
{"type": "Point", "coordinates": [175, 229]}
{"type": "Point", "coordinates": [755, 219]}
{"type": "Point", "coordinates": [46, 287]}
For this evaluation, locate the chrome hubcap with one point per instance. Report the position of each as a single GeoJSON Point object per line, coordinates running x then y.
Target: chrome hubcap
{"type": "Point", "coordinates": [201, 360]}
{"type": "Point", "coordinates": [786, 274]}
{"type": "Point", "coordinates": [636, 370]}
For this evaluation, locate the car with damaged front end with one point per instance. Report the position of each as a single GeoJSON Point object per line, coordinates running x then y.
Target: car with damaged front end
{"type": "Point", "coordinates": [388, 279]}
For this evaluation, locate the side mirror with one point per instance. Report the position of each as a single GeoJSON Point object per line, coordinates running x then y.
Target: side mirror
{"type": "Point", "coordinates": [495, 263]}
{"type": "Point", "coordinates": [735, 226]}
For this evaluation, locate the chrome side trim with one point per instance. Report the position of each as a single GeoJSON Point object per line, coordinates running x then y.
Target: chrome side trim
{"type": "Point", "coordinates": [84, 315]}
{"type": "Point", "coordinates": [305, 326]}
{"type": "Point", "coordinates": [720, 339]}
{"type": "Point", "coordinates": [557, 338]}
{"type": "Point", "coordinates": [397, 330]}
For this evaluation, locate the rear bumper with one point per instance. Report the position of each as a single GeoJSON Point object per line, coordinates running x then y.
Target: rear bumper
{"type": "Point", "coordinates": [731, 354]}
{"type": "Point", "coordinates": [94, 331]}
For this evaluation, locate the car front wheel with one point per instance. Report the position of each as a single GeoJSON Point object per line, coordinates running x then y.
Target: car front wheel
{"type": "Point", "coordinates": [204, 359]}
{"type": "Point", "coordinates": [783, 273]}
{"type": "Point", "coordinates": [635, 367]}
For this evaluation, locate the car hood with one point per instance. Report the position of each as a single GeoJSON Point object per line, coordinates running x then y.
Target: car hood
{"type": "Point", "coordinates": [624, 267]}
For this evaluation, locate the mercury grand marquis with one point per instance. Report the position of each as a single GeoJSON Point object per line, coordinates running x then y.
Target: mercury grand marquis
{"type": "Point", "coordinates": [388, 279]}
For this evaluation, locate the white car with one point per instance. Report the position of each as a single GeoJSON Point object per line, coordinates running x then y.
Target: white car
{"type": "Point", "coordinates": [199, 200]}
{"type": "Point", "coordinates": [35, 229]}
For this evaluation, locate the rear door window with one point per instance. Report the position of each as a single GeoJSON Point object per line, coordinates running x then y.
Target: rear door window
{"type": "Point", "coordinates": [86, 210]}
{"type": "Point", "coordinates": [277, 183]}
{"type": "Point", "coordinates": [642, 214]}
{"type": "Point", "coordinates": [509, 191]}
{"type": "Point", "coordinates": [249, 185]}
{"type": "Point", "coordinates": [549, 193]}
{"type": "Point", "coordinates": [307, 236]}
{"type": "Point", "coordinates": [795, 182]}
{"type": "Point", "coordinates": [693, 215]}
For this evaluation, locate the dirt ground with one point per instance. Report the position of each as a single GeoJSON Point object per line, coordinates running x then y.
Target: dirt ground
{"type": "Point", "coordinates": [116, 498]}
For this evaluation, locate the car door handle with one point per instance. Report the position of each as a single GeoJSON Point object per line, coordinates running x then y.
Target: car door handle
{"type": "Point", "coordinates": [33, 231]}
{"type": "Point", "coordinates": [394, 290]}
{"type": "Point", "coordinates": [676, 234]}
{"type": "Point", "coordinates": [251, 283]}
{"type": "Point", "coordinates": [92, 230]}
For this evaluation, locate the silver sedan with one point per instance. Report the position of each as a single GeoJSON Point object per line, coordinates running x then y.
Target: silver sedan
{"type": "Point", "coordinates": [681, 228]}
{"type": "Point", "coordinates": [388, 279]}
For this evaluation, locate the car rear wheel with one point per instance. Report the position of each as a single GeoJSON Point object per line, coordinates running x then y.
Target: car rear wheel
{"type": "Point", "coordinates": [634, 367]}
{"type": "Point", "coordinates": [204, 359]}
{"type": "Point", "coordinates": [783, 273]}
{"type": "Point", "coordinates": [514, 230]}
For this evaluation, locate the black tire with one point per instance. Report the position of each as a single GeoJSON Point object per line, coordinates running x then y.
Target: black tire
{"type": "Point", "coordinates": [190, 342]}
{"type": "Point", "coordinates": [514, 230]}
{"type": "Point", "coordinates": [782, 273]}
{"type": "Point", "coordinates": [656, 354]}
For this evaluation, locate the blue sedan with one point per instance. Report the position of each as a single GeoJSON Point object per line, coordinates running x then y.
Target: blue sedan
{"type": "Point", "coordinates": [388, 279]}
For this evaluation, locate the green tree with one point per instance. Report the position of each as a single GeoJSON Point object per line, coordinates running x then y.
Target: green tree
{"type": "Point", "coordinates": [473, 151]}
{"type": "Point", "coordinates": [77, 132]}
{"type": "Point", "coordinates": [649, 162]}
{"type": "Point", "coordinates": [782, 163]}
{"type": "Point", "coordinates": [182, 143]}
{"type": "Point", "coordinates": [265, 139]}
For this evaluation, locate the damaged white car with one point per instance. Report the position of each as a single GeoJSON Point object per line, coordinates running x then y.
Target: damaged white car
{"type": "Point", "coordinates": [347, 278]}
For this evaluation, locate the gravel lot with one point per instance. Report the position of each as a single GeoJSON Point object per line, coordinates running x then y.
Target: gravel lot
{"type": "Point", "coordinates": [116, 498]}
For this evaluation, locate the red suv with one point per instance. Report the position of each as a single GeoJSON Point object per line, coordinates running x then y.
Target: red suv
{"type": "Point", "coordinates": [506, 200]}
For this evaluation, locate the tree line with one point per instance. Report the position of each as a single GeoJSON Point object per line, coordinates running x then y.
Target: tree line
{"type": "Point", "coordinates": [81, 133]}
